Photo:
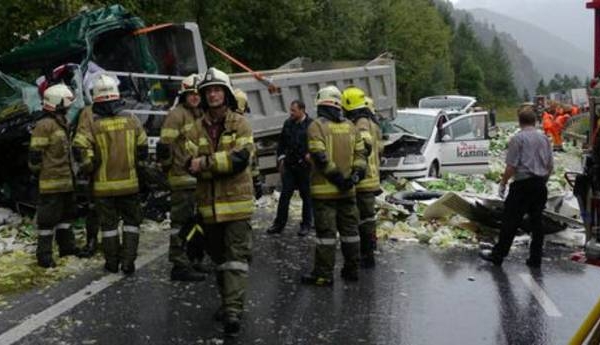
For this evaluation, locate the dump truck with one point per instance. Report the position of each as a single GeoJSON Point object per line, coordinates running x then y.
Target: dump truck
{"type": "Point", "coordinates": [150, 62]}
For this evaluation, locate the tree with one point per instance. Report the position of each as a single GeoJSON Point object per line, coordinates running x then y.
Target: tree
{"type": "Point", "coordinates": [470, 78]}
{"type": "Point", "coordinates": [498, 76]}
{"type": "Point", "coordinates": [541, 89]}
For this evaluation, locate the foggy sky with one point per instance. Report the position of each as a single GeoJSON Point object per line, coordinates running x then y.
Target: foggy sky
{"type": "Point", "coordinates": [567, 19]}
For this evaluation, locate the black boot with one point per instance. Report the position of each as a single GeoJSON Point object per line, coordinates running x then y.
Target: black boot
{"type": "Point", "coordinates": [43, 251]}
{"type": "Point", "coordinates": [185, 274]}
{"type": "Point", "coordinates": [231, 325]}
{"type": "Point", "coordinates": [89, 249]}
{"type": "Point", "coordinates": [66, 241]}
{"type": "Point", "coordinates": [488, 255]}
{"type": "Point", "coordinates": [275, 229]}
{"type": "Point", "coordinates": [129, 254]}
{"type": "Point", "coordinates": [349, 274]}
{"type": "Point", "coordinates": [111, 248]}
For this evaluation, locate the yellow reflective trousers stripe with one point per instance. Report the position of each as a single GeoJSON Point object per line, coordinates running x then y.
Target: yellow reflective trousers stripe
{"type": "Point", "coordinates": [115, 185]}
{"type": "Point", "coordinates": [39, 141]}
{"type": "Point", "coordinates": [56, 184]}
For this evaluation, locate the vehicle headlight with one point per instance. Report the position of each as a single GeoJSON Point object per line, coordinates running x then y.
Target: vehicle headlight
{"type": "Point", "coordinates": [414, 159]}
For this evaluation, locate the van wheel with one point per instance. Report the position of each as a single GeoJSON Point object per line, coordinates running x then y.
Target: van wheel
{"type": "Point", "coordinates": [434, 171]}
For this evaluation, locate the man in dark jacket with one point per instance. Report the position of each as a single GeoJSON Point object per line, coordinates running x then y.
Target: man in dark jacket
{"type": "Point", "coordinates": [293, 164]}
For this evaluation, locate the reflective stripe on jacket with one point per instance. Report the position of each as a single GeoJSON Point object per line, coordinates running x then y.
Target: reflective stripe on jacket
{"type": "Point", "coordinates": [111, 143]}
{"type": "Point", "coordinates": [224, 195]}
{"type": "Point", "coordinates": [51, 138]}
{"type": "Point", "coordinates": [177, 129]}
{"type": "Point", "coordinates": [371, 135]}
{"type": "Point", "coordinates": [344, 148]}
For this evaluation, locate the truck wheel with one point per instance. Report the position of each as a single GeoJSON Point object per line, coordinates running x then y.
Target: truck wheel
{"type": "Point", "coordinates": [434, 171]}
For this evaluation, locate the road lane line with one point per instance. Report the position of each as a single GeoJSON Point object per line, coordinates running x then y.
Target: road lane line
{"type": "Point", "coordinates": [541, 296]}
{"type": "Point", "coordinates": [40, 319]}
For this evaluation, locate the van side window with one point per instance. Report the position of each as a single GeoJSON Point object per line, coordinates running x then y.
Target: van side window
{"type": "Point", "coordinates": [469, 128]}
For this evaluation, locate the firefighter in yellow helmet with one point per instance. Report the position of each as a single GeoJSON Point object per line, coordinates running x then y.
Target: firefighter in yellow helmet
{"type": "Point", "coordinates": [223, 151]}
{"type": "Point", "coordinates": [360, 109]}
{"type": "Point", "coordinates": [338, 154]}
{"type": "Point", "coordinates": [111, 148]}
{"type": "Point", "coordinates": [172, 155]}
{"type": "Point", "coordinates": [243, 109]}
{"type": "Point", "coordinates": [49, 158]}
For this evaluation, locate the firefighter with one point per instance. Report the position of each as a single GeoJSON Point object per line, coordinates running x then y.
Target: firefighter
{"type": "Point", "coordinates": [86, 118]}
{"type": "Point", "coordinates": [172, 155]}
{"type": "Point", "coordinates": [356, 108]}
{"type": "Point", "coordinates": [111, 148]}
{"type": "Point", "coordinates": [243, 109]}
{"type": "Point", "coordinates": [337, 153]}
{"type": "Point", "coordinates": [224, 150]}
{"type": "Point", "coordinates": [49, 158]}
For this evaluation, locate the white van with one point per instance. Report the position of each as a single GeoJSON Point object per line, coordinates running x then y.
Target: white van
{"type": "Point", "coordinates": [425, 142]}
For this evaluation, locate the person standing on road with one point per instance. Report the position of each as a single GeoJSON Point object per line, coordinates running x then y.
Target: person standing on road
{"type": "Point", "coordinates": [529, 163]}
{"type": "Point", "coordinates": [172, 155]}
{"type": "Point", "coordinates": [49, 158]}
{"type": "Point", "coordinates": [293, 162]}
{"type": "Point", "coordinates": [112, 147]}
{"type": "Point", "coordinates": [356, 108]}
{"type": "Point", "coordinates": [338, 154]}
{"type": "Point", "coordinates": [223, 152]}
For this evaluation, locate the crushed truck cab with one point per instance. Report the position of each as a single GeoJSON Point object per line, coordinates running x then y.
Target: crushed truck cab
{"type": "Point", "coordinates": [423, 142]}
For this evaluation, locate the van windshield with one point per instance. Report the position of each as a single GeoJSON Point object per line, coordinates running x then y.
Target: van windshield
{"type": "Point", "coordinates": [412, 123]}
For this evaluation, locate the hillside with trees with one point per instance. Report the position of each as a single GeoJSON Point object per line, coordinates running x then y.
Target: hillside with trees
{"type": "Point", "coordinates": [433, 54]}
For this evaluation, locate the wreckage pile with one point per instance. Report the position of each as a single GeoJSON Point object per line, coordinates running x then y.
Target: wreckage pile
{"type": "Point", "coordinates": [464, 211]}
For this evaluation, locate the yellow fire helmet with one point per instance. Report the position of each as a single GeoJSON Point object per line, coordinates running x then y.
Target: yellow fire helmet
{"type": "Point", "coordinates": [353, 98]}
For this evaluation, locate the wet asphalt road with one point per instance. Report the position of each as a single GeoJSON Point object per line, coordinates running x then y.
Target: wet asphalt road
{"type": "Point", "coordinates": [416, 295]}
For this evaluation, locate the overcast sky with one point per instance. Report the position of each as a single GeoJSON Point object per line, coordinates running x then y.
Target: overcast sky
{"type": "Point", "coordinates": [568, 19]}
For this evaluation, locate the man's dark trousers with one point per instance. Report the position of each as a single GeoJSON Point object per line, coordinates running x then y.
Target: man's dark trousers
{"type": "Point", "coordinates": [294, 178]}
{"type": "Point", "coordinates": [524, 197]}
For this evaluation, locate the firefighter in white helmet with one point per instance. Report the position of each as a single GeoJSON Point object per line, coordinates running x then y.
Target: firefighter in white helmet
{"type": "Point", "coordinates": [49, 158]}
{"type": "Point", "coordinates": [171, 153]}
{"type": "Point", "coordinates": [224, 150]}
{"type": "Point", "coordinates": [111, 147]}
{"type": "Point", "coordinates": [338, 154]}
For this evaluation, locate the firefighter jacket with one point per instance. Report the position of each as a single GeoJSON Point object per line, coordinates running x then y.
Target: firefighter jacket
{"type": "Point", "coordinates": [111, 147]}
{"type": "Point", "coordinates": [372, 137]}
{"type": "Point", "coordinates": [171, 151]}
{"type": "Point", "coordinates": [225, 190]}
{"type": "Point", "coordinates": [49, 154]}
{"type": "Point", "coordinates": [337, 150]}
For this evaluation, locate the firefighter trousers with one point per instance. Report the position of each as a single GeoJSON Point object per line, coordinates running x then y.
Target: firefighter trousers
{"type": "Point", "coordinates": [55, 212]}
{"type": "Point", "coordinates": [229, 245]}
{"type": "Point", "coordinates": [332, 217]}
{"type": "Point", "coordinates": [366, 226]}
{"type": "Point", "coordinates": [110, 210]}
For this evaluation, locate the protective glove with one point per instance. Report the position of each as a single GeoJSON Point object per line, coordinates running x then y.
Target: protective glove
{"type": "Point", "coordinates": [338, 180]}
{"type": "Point", "coordinates": [347, 184]}
{"type": "Point", "coordinates": [501, 190]}
{"type": "Point", "coordinates": [357, 176]}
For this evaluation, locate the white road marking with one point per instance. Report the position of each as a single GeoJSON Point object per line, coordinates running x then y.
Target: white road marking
{"type": "Point", "coordinates": [541, 296]}
{"type": "Point", "coordinates": [40, 319]}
